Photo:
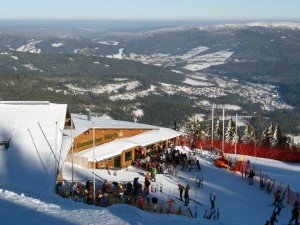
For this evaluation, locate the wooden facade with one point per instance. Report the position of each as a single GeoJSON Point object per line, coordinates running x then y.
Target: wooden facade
{"type": "Point", "coordinates": [85, 141]}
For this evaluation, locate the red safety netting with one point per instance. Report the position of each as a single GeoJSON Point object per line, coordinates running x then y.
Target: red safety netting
{"type": "Point", "coordinates": [285, 155]}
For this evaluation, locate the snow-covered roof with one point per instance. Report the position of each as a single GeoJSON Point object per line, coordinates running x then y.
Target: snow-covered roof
{"type": "Point", "coordinates": [154, 136]}
{"type": "Point", "coordinates": [81, 124]}
{"type": "Point", "coordinates": [107, 150]}
{"type": "Point", "coordinates": [35, 131]}
{"type": "Point", "coordinates": [116, 147]}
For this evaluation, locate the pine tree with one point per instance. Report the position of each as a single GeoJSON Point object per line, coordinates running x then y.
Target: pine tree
{"type": "Point", "coordinates": [197, 128]}
{"type": "Point", "coordinates": [249, 135]}
{"type": "Point", "coordinates": [187, 133]}
{"type": "Point", "coordinates": [230, 134]}
{"type": "Point", "coordinates": [208, 131]}
{"type": "Point", "coordinates": [218, 130]}
{"type": "Point", "coordinates": [246, 137]}
{"type": "Point", "coordinates": [278, 136]}
{"type": "Point", "coordinates": [271, 131]}
{"type": "Point", "coordinates": [265, 139]}
{"type": "Point", "coordinates": [236, 138]}
{"type": "Point", "coordinates": [187, 130]}
{"type": "Point", "coordinates": [268, 135]}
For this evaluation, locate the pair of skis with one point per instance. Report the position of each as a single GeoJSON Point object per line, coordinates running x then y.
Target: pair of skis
{"type": "Point", "coordinates": [212, 214]}
{"type": "Point", "coordinates": [195, 214]}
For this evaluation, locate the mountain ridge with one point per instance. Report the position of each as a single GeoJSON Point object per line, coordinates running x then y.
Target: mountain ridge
{"type": "Point", "coordinates": [253, 66]}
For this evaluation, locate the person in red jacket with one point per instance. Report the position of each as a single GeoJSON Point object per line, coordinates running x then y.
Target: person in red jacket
{"type": "Point", "coordinates": [140, 202]}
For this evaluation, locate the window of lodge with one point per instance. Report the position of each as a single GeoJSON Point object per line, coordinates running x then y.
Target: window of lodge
{"type": "Point", "coordinates": [128, 156]}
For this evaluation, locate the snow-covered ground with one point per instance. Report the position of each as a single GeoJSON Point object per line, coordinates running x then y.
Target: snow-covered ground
{"type": "Point", "coordinates": [239, 203]}
{"type": "Point", "coordinates": [30, 47]}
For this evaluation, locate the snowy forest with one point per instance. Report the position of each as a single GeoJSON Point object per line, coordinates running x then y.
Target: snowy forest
{"type": "Point", "coordinates": [271, 136]}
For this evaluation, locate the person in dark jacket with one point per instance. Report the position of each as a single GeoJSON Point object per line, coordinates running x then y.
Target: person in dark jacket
{"type": "Point", "coordinates": [198, 164]}
{"type": "Point", "coordinates": [212, 200]}
{"type": "Point", "coordinates": [129, 188]}
{"type": "Point", "coordinates": [147, 184]}
{"type": "Point", "coordinates": [88, 185]}
{"type": "Point", "coordinates": [186, 195]}
{"type": "Point", "coordinates": [181, 189]}
{"type": "Point", "coordinates": [154, 202]}
{"type": "Point", "coordinates": [295, 214]}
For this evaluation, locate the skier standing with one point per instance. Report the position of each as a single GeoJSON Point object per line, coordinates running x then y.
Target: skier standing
{"type": "Point", "coordinates": [198, 165]}
{"type": "Point", "coordinates": [212, 200]}
{"type": "Point", "coordinates": [186, 195]}
{"type": "Point", "coordinates": [180, 188]}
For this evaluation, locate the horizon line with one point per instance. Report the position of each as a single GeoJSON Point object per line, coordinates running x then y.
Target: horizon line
{"type": "Point", "coordinates": [120, 19]}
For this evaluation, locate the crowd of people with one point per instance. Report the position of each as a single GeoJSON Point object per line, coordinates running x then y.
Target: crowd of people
{"type": "Point", "coordinates": [153, 162]}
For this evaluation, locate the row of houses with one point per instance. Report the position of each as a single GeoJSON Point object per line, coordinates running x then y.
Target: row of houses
{"type": "Point", "coordinates": [37, 138]}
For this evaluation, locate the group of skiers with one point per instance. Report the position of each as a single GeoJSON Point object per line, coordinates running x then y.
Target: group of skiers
{"type": "Point", "coordinates": [278, 206]}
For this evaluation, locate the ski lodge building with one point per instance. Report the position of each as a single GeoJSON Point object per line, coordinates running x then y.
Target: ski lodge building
{"type": "Point", "coordinates": [38, 137]}
{"type": "Point", "coordinates": [116, 143]}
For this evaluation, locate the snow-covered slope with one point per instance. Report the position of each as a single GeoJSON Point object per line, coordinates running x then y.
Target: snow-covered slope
{"type": "Point", "coordinates": [239, 202]}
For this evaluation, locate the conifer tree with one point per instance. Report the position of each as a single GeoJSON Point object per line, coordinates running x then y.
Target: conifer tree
{"type": "Point", "coordinates": [271, 131]}
{"type": "Point", "coordinates": [230, 132]}
{"type": "Point", "coordinates": [250, 135]}
{"type": "Point", "coordinates": [278, 136]}
{"type": "Point", "coordinates": [265, 139]}
{"type": "Point", "coordinates": [208, 131]}
{"type": "Point", "coordinates": [197, 128]}
{"type": "Point", "coordinates": [218, 130]}
{"type": "Point", "coordinates": [186, 129]}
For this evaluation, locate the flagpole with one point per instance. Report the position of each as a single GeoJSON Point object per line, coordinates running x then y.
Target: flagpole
{"type": "Point", "coordinates": [94, 162]}
{"type": "Point", "coordinates": [212, 126]}
{"type": "Point", "coordinates": [235, 141]}
{"type": "Point", "coordinates": [55, 167]}
{"type": "Point", "coordinates": [72, 147]}
{"type": "Point", "coordinates": [223, 130]}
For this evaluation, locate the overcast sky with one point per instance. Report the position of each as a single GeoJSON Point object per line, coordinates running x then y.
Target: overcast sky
{"type": "Point", "coordinates": [151, 9]}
